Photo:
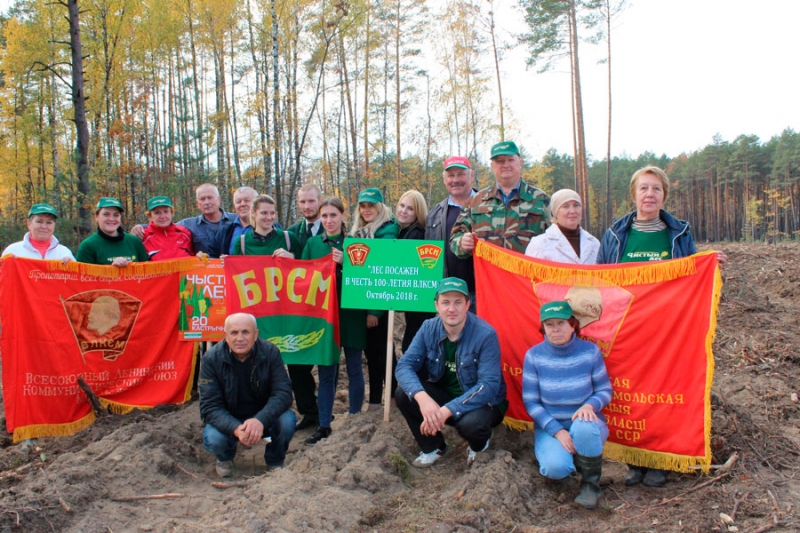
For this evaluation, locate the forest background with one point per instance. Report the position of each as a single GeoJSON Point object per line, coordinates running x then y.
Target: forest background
{"type": "Point", "coordinates": [345, 94]}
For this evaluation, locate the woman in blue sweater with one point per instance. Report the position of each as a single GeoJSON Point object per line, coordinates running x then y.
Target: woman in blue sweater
{"type": "Point", "coordinates": [564, 388]}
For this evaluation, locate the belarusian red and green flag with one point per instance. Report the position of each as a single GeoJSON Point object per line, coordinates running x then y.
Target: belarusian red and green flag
{"type": "Point", "coordinates": [294, 302]}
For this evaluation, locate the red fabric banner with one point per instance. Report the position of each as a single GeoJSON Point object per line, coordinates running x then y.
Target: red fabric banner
{"type": "Point", "coordinates": [654, 323]}
{"type": "Point", "coordinates": [294, 302]}
{"type": "Point", "coordinates": [117, 328]}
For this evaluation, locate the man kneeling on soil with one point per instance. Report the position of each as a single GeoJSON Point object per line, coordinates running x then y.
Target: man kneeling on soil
{"type": "Point", "coordinates": [451, 375]}
{"type": "Point", "coordinates": [245, 396]}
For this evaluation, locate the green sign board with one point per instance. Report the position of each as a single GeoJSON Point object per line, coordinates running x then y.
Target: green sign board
{"type": "Point", "coordinates": [383, 274]}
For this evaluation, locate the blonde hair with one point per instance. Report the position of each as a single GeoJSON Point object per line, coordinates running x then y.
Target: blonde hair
{"type": "Point", "coordinates": [654, 170]}
{"type": "Point", "coordinates": [419, 205]}
{"type": "Point", "coordinates": [261, 199]}
{"type": "Point", "coordinates": [362, 230]}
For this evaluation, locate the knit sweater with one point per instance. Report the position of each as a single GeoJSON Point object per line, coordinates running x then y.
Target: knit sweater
{"type": "Point", "coordinates": [558, 380]}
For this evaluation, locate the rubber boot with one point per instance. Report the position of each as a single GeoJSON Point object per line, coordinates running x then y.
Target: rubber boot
{"type": "Point", "coordinates": [590, 469]}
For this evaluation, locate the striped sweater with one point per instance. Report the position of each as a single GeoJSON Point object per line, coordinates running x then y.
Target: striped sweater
{"type": "Point", "coordinates": [558, 380]}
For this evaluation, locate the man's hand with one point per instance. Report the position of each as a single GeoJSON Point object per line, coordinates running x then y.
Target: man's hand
{"type": "Point", "coordinates": [280, 252]}
{"type": "Point", "coordinates": [121, 262]}
{"type": "Point", "coordinates": [585, 413]}
{"type": "Point", "coordinates": [372, 321]}
{"type": "Point", "coordinates": [468, 242]}
{"type": "Point", "coordinates": [433, 416]}
{"type": "Point", "coordinates": [137, 231]}
{"type": "Point", "coordinates": [722, 258]}
{"type": "Point", "coordinates": [566, 441]}
{"type": "Point", "coordinates": [249, 432]}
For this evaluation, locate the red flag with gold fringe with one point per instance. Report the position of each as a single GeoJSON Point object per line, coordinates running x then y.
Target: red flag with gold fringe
{"type": "Point", "coordinates": [117, 328]}
{"type": "Point", "coordinates": [655, 325]}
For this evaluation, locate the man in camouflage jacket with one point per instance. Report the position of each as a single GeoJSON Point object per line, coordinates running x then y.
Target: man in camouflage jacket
{"type": "Point", "coordinates": [508, 213]}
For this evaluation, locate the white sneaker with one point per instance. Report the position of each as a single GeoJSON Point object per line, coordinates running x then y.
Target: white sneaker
{"type": "Point", "coordinates": [224, 468]}
{"type": "Point", "coordinates": [424, 460]}
{"type": "Point", "coordinates": [472, 455]}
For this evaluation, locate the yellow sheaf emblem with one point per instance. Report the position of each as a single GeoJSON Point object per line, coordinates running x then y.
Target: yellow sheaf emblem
{"type": "Point", "coordinates": [429, 255]}
{"type": "Point", "coordinates": [295, 343]}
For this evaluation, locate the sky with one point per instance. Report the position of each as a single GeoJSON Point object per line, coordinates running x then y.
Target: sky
{"type": "Point", "coordinates": [683, 71]}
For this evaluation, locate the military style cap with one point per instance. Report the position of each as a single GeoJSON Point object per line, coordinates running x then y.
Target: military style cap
{"type": "Point", "coordinates": [558, 309]}
{"type": "Point", "coordinates": [107, 201]}
{"type": "Point", "coordinates": [504, 148]}
{"type": "Point", "coordinates": [452, 285]}
{"type": "Point", "coordinates": [371, 196]}
{"type": "Point", "coordinates": [42, 209]}
{"type": "Point", "coordinates": [158, 201]}
{"type": "Point", "coordinates": [456, 161]}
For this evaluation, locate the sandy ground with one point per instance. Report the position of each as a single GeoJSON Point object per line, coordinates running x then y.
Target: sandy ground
{"type": "Point", "coordinates": [360, 478]}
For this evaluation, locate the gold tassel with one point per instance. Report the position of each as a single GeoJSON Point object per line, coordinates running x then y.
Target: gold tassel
{"type": "Point", "coordinates": [52, 430]}
{"type": "Point", "coordinates": [187, 394]}
{"type": "Point", "coordinates": [620, 275]}
{"type": "Point", "coordinates": [650, 459]}
{"type": "Point", "coordinates": [517, 425]}
{"type": "Point", "coordinates": [134, 270]}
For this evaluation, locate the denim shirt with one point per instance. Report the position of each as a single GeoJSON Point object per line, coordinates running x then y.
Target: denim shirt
{"type": "Point", "coordinates": [204, 233]}
{"type": "Point", "coordinates": [478, 364]}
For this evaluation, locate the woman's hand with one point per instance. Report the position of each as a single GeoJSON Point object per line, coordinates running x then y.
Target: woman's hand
{"type": "Point", "coordinates": [65, 260]}
{"type": "Point", "coordinates": [565, 439]}
{"type": "Point", "coordinates": [280, 252]}
{"type": "Point", "coordinates": [585, 413]}
{"type": "Point", "coordinates": [372, 321]}
{"type": "Point", "coordinates": [337, 256]}
{"type": "Point", "coordinates": [121, 262]}
{"type": "Point", "coordinates": [722, 258]}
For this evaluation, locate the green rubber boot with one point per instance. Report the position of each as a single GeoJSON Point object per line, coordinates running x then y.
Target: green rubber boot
{"type": "Point", "coordinates": [590, 469]}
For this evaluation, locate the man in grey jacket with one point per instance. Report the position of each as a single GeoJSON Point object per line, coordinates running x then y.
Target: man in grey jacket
{"type": "Point", "coordinates": [458, 180]}
{"type": "Point", "coordinates": [451, 374]}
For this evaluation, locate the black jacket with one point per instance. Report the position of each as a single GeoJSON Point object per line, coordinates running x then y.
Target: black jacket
{"type": "Point", "coordinates": [219, 388]}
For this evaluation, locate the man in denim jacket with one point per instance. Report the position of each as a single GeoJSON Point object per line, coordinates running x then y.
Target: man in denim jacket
{"type": "Point", "coordinates": [451, 374]}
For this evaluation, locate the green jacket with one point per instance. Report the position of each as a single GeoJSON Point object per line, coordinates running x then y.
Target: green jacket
{"type": "Point", "coordinates": [278, 240]}
{"type": "Point", "coordinates": [100, 249]}
{"type": "Point", "coordinates": [509, 227]}
{"type": "Point", "coordinates": [352, 322]}
{"type": "Point", "coordinates": [300, 231]}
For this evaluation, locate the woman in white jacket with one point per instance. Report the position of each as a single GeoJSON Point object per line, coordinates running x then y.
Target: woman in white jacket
{"type": "Point", "coordinates": [565, 241]}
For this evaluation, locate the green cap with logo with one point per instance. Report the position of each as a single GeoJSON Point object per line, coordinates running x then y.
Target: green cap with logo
{"type": "Point", "coordinates": [107, 201]}
{"type": "Point", "coordinates": [371, 195]}
{"type": "Point", "coordinates": [158, 201]}
{"type": "Point", "coordinates": [504, 148]}
{"type": "Point", "coordinates": [452, 285]}
{"type": "Point", "coordinates": [42, 209]}
{"type": "Point", "coordinates": [559, 309]}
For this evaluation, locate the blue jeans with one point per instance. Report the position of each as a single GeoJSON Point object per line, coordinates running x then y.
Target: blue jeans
{"type": "Point", "coordinates": [224, 446]}
{"type": "Point", "coordinates": [355, 378]}
{"type": "Point", "coordinates": [327, 393]}
{"type": "Point", "coordinates": [554, 461]}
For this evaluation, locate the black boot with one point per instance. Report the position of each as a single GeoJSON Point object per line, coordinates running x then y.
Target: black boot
{"type": "Point", "coordinates": [590, 469]}
{"type": "Point", "coordinates": [321, 433]}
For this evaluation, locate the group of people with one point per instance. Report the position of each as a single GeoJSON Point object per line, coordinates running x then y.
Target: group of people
{"type": "Point", "coordinates": [450, 371]}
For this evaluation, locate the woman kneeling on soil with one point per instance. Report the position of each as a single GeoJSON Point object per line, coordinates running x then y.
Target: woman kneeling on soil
{"type": "Point", "coordinates": [564, 387]}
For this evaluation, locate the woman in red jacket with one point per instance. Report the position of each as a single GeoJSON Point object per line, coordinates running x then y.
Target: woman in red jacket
{"type": "Point", "coordinates": [162, 239]}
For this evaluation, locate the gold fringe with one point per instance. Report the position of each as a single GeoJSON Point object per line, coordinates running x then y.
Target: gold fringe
{"type": "Point", "coordinates": [517, 425]}
{"type": "Point", "coordinates": [620, 275]}
{"type": "Point", "coordinates": [134, 270]}
{"type": "Point", "coordinates": [651, 459]}
{"type": "Point", "coordinates": [121, 408]}
{"type": "Point", "coordinates": [52, 430]}
{"type": "Point", "coordinates": [187, 394]}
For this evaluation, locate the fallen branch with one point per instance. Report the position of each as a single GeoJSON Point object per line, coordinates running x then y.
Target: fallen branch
{"type": "Point", "coordinates": [737, 502]}
{"type": "Point", "coordinates": [98, 409]}
{"type": "Point", "coordinates": [184, 471]}
{"type": "Point", "coordinates": [693, 489]}
{"type": "Point", "coordinates": [219, 485]}
{"type": "Point", "coordinates": [166, 496]}
{"type": "Point", "coordinates": [64, 504]}
{"type": "Point", "coordinates": [727, 465]}
{"type": "Point", "coordinates": [767, 527]}
{"type": "Point", "coordinates": [17, 471]}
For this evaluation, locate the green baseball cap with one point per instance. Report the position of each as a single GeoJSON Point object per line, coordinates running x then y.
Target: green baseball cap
{"type": "Point", "coordinates": [107, 201]}
{"type": "Point", "coordinates": [504, 148]}
{"type": "Point", "coordinates": [42, 209]}
{"type": "Point", "coordinates": [371, 195]}
{"type": "Point", "coordinates": [558, 309]}
{"type": "Point", "coordinates": [158, 201]}
{"type": "Point", "coordinates": [453, 285]}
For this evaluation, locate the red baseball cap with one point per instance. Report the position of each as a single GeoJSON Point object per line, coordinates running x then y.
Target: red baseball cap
{"type": "Point", "coordinates": [456, 161]}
